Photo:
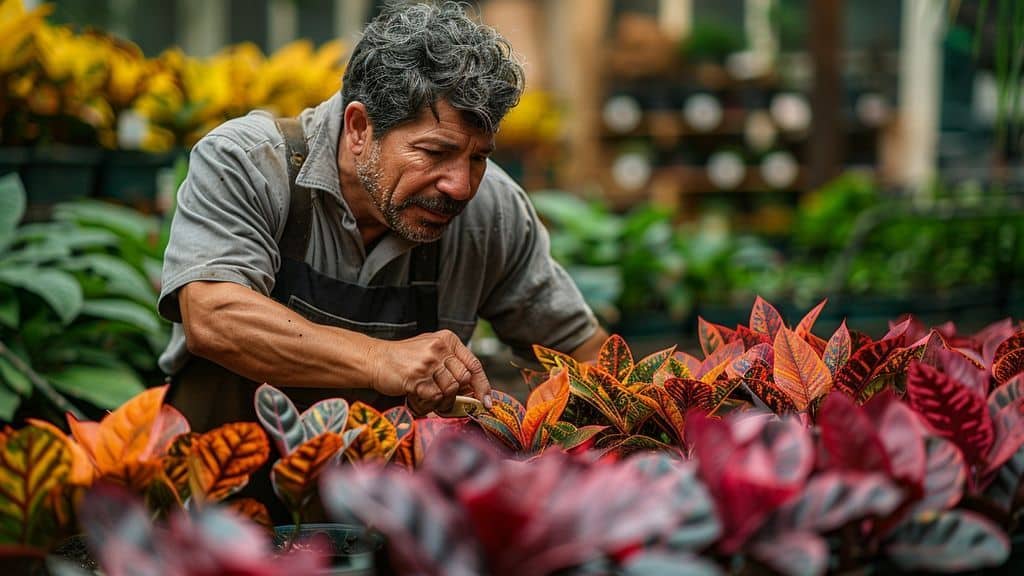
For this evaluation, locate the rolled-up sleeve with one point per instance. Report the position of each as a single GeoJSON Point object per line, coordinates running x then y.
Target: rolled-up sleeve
{"type": "Point", "coordinates": [533, 300]}
{"type": "Point", "coordinates": [225, 224]}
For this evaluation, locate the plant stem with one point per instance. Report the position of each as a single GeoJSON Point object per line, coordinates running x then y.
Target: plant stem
{"type": "Point", "coordinates": [39, 382]}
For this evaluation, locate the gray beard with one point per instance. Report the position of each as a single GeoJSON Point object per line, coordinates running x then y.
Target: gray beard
{"type": "Point", "coordinates": [371, 176]}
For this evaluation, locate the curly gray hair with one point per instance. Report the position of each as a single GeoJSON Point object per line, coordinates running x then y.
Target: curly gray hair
{"type": "Point", "coordinates": [413, 55]}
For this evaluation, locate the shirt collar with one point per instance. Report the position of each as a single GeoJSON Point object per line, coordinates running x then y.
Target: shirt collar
{"type": "Point", "coordinates": [323, 127]}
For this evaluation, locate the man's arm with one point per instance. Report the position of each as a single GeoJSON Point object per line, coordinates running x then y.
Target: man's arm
{"type": "Point", "coordinates": [261, 339]}
{"type": "Point", "coordinates": [588, 351]}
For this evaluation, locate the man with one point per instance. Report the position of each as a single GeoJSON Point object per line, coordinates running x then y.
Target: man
{"type": "Point", "coordinates": [351, 253]}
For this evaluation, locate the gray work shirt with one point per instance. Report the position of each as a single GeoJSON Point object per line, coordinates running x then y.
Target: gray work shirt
{"type": "Point", "coordinates": [232, 208]}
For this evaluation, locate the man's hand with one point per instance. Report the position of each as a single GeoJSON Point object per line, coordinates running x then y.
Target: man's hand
{"type": "Point", "coordinates": [429, 369]}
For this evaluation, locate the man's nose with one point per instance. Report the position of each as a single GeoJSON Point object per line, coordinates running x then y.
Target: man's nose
{"type": "Point", "coordinates": [456, 182]}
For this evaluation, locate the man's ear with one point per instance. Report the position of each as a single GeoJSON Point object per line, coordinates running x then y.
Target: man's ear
{"type": "Point", "coordinates": [358, 130]}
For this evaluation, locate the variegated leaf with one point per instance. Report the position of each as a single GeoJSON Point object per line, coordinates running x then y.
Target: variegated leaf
{"type": "Point", "coordinates": [279, 418]}
{"type": "Point", "coordinates": [952, 410]}
{"type": "Point", "coordinates": [33, 461]}
{"type": "Point", "coordinates": [644, 370]}
{"type": "Point", "coordinates": [253, 510]}
{"type": "Point", "coordinates": [551, 359]}
{"type": "Point", "coordinates": [82, 470]}
{"type": "Point", "coordinates": [672, 368]}
{"type": "Point", "coordinates": [503, 422]}
{"type": "Point", "coordinates": [295, 477]}
{"type": "Point", "coordinates": [760, 353]}
{"type": "Point", "coordinates": [378, 438]}
{"type": "Point", "coordinates": [328, 415]}
{"type": "Point", "coordinates": [569, 437]}
{"type": "Point", "coordinates": [709, 336]}
{"type": "Point", "coordinates": [773, 398]}
{"type": "Point", "coordinates": [615, 357]}
{"type": "Point", "coordinates": [853, 376]}
{"type": "Point", "coordinates": [858, 340]}
{"type": "Point", "coordinates": [176, 463]}
{"type": "Point", "coordinates": [1009, 358]}
{"type": "Point", "coordinates": [405, 426]}
{"type": "Point", "coordinates": [595, 395]}
{"type": "Point", "coordinates": [953, 541]}
{"type": "Point", "coordinates": [628, 408]}
{"type": "Point", "coordinates": [750, 338]}
{"type": "Point", "coordinates": [765, 319]}
{"type": "Point", "coordinates": [945, 476]}
{"type": "Point", "coordinates": [837, 351]}
{"type": "Point", "coordinates": [670, 414]}
{"type": "Point", "coordinates": [223, 458]}
{"type": "Point", "coordinates": [726, 354]}
{"type": "Point", "coordinates": [799, 373]}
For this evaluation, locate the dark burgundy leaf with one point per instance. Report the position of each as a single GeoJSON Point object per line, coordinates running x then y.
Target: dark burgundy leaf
{"type": "Point", "coordinates": [990, 337]}
{"type": "Point", "coordinates": [855, 375]}
{"type": "Point", "coordinates": [858, 340]}
{"type": "Point", "coordinates": [1006, 488]}
{"type": "Point", "coordinates": [849, 437]}
{"type": "Point", "coordinates": [1009, 431]}
{"type": "Point", "coordinates": [750, 338]}
{"type": "Point", "coordinates": [902, 435]}
{"type": "Point", "coordinates": [963, 370]}
{"type": "Point", "coordinates": [953, 410]}
{"type": "Point", "coordinates": [832, 500]}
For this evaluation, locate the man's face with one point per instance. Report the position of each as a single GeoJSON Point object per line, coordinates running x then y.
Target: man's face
{"type": "Point", "coordinates": [422, 174]}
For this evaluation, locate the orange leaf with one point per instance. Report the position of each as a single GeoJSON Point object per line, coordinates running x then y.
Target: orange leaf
{"type": "Point", "coordinates": [803, 329]}
{"type": "Point", "coordinates": [87, 434]}
{"type": "Point", "coordinates": [82, 470]}
{"type": "Point", "coordinates": [378, 438]}
{"type": "Point", "coordinates": [544, 406]}
{"type": "Point", "coordinates": [176, 462]}
{"type": "Point", "coordinates": [799, 372]}
{"type": "Point", "coordinates": [253, 510]}
{"type": "Point", "coordinates": [135, 475]}
{"type": "Point", "coordinates": [169, 425]}
{"type": "Point", "coordinates": [223, 458]}
{"type": "Point", "coordinates": [405, 427]}
{"type": "Point", "coordinates": [295, 477]}
{"type": "Point", "coordinates": [124, 434]}
{"type": "Point", "coordinates": [764, 318]}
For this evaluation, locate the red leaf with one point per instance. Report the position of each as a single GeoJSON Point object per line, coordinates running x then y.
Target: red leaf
{"type": "Point", "coordinates": [692, 364]}
{"type": "Point", "coordinates": [991, 336]}
{"type": "Point", "coordinates": [854, 376]}
{"type": "Point", "coordinates": [725, 353]}
{"type": "Point", "coordinates": [751, 338]}
{"type": "Point", "coordinates": [899, 331]}
{"type": "Point", "coordinates": [1009, 358]}
{"type": "Point", "coordinates": [902, 435]}
{"type": "Point", "coordinates": [1009, 433]}
{"type": "Point", "coordinates": [799, 373]}
{"type": "Point", "coordinates": [765, 319]}
{"type": "Point", "coordinates": [762, 353]}
{"type": "Point", "coordinates": [773, 398]}
{"type": "Point", "coordinates": [952, 410]}
{"type": "Point", "coordinates": [849, 437]}
{"type": "Point", "coordinates": [858, 340]}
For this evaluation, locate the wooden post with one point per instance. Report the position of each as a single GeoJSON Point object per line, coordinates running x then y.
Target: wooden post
{"type": "Point", "coordinates": [826, 141]}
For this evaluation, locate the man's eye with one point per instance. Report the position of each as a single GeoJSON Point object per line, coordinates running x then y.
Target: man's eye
{"type": "Point", "coordinates": [432, 152]}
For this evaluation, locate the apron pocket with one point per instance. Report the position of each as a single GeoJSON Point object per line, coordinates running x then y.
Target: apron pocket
{"type": "Point", "coordinates": [383, 330]}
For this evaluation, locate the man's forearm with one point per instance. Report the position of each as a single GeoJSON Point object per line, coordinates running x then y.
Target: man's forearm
{"type": "Point", "coordinates": [263, 340]}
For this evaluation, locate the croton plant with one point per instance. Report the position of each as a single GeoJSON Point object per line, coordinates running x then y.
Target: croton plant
{"type": "Point", "coordinates": [773, 449]}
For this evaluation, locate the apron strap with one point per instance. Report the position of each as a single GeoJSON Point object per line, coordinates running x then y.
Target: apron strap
{"type": "Point", "coordinates": [423, 267]}
{"type": "Point", "coordinates": [295, 238]}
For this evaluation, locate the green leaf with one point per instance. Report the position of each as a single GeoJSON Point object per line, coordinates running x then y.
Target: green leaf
{"type": "Point", "coordinates": [9, 401]}
{"type": "Point", "coordinates": [10, 308]}
{"type": "Point", "coordinates": [12, 207]}
{"type": "Point", "coordinates": [39, 253]}
{"type": "Point", "coordinates": [122, 279]}
{"type": "Point", "coordinates": [122, 311]}
{"type": "Point", "coordinates": [106, 387]}
{"type": "Point", "coordinates": [67, 235]}
{"type": "Point", "coordinates": [124, 222]}
{"type": "Point", "coordinates": [58, 288]}
{"type": "Point", "coordinates": [14, 378]}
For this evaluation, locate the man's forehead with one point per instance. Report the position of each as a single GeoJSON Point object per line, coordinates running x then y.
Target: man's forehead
{"type": "Point", "coordinates": [448, 123]}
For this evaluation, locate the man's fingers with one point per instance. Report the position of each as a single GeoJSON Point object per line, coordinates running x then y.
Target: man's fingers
{"type": "Point", "coordinates": [477, 379]}
{"type": "Point", "coordinates": [446, 382]}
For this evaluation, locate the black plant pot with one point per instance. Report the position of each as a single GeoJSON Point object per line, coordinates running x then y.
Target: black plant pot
{"type": "Point", "coordinates": [57, 174]}
{"type": "Point", "coordinates": [354, 551]}
{"type": "Point", "coordinates": [132, 177]}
